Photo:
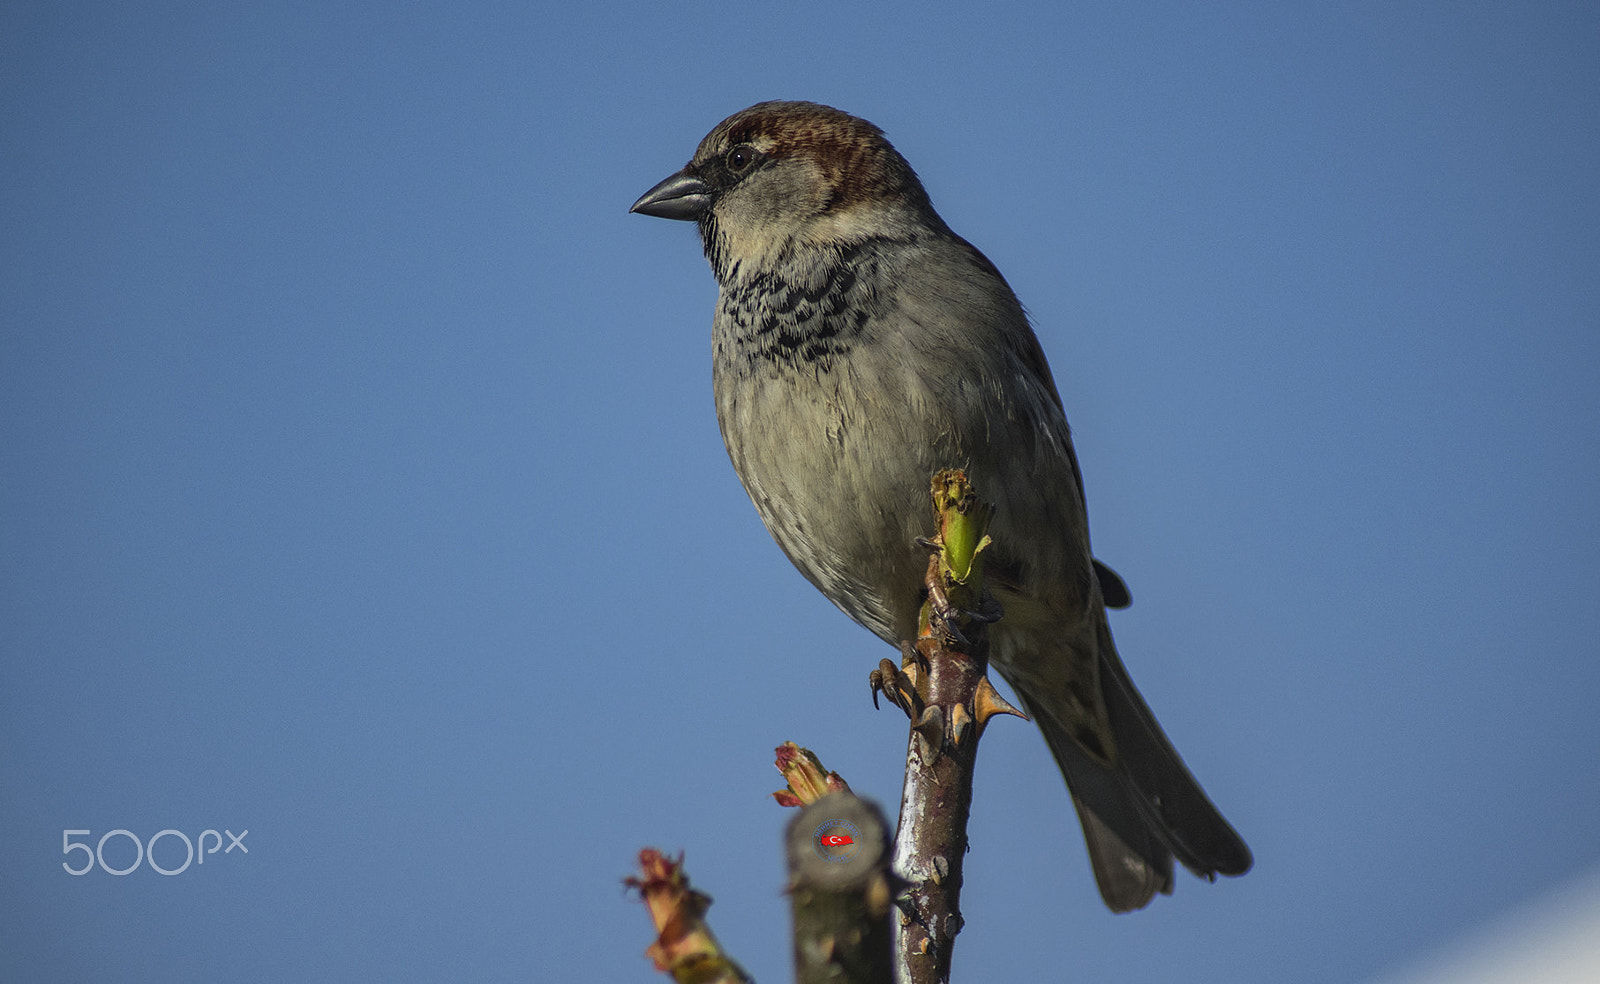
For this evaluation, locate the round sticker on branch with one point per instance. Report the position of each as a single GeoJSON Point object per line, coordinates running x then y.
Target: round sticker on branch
{"type": "Point", "coordinates": [837, 841]}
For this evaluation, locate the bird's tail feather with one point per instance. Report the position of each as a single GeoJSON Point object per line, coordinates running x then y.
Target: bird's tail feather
{"type": "Point", "coordinates": [1144, 810]}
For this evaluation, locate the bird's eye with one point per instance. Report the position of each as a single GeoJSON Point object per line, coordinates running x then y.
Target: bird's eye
{"type": "Point", "coordinates": [741, 157]}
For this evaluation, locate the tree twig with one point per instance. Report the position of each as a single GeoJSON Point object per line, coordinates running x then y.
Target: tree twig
{"type": "Point", "coordinates": [685, 946]}
{"type": "Point", "coordinates": [840, 892]}
{"type": "Point", "coordinates": [943, 686]}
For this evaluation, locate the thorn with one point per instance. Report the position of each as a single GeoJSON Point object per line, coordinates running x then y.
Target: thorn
{"type": "Point", "coordinates": [913, 661]}
{"type": "Point", "coordinates": [960, 723]}
{"type": "Point", "coordinates": [908, 909]}
{"type": "Point", "coordinates": [988, 702]}
{"type": "Point", "coordinates": [912, 673]}
{"type": "Point", "coordinates": [931, 727]}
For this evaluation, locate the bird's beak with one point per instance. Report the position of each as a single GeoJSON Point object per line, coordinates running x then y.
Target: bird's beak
{"type": "Point", "coordinates": [681, 196]}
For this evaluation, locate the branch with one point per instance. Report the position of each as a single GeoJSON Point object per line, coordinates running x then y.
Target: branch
{"type": "Point", "coordinates": [839, 892]}
{"type": "Point", "coordinates": [942, 685]}
{"type": "Point", "coordinates": [685, 946]}
{"type": "Point", "coordinates": [808, 781]}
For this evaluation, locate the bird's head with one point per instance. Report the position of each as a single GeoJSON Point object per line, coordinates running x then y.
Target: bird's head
{"type": "Point", "coordinates": [782, 175]}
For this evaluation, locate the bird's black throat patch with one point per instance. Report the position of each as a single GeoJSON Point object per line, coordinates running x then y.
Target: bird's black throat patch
{"type": "Point", "coordinates": [802, 320]}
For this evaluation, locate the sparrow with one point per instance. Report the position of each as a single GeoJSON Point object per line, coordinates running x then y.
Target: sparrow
{"type": "Point", "coordinates": [860, 346]}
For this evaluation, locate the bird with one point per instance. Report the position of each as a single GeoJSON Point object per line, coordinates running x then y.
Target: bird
{"type": "Point", "coordinates": [860, 346]}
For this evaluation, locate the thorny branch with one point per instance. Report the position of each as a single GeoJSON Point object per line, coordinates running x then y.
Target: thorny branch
{"type": "Point", "coordinates": [943, 686]}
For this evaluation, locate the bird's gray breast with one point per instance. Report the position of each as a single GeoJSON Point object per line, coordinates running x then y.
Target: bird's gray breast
{"type": "Point", "coordinates": [845, 380]}
{"type": "Point", "coordinates": [817, 410]}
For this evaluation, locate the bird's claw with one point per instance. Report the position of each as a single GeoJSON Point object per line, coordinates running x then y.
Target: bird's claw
{"type": "Point", "coordinates": [898, 685]}
{"type": "Point", "coordinates": [988, 613]}
{"type": "Point", "coordinates": [947, 615]}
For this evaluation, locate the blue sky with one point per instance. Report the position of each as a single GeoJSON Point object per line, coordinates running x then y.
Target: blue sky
{"type": "Point", "coordinates": [360, 487]}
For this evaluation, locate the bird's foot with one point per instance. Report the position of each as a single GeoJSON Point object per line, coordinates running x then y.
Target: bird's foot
{"type": "Point", "coordinates": [945, 614]}
{"type": "Point", "coordinates": [900, 683]}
